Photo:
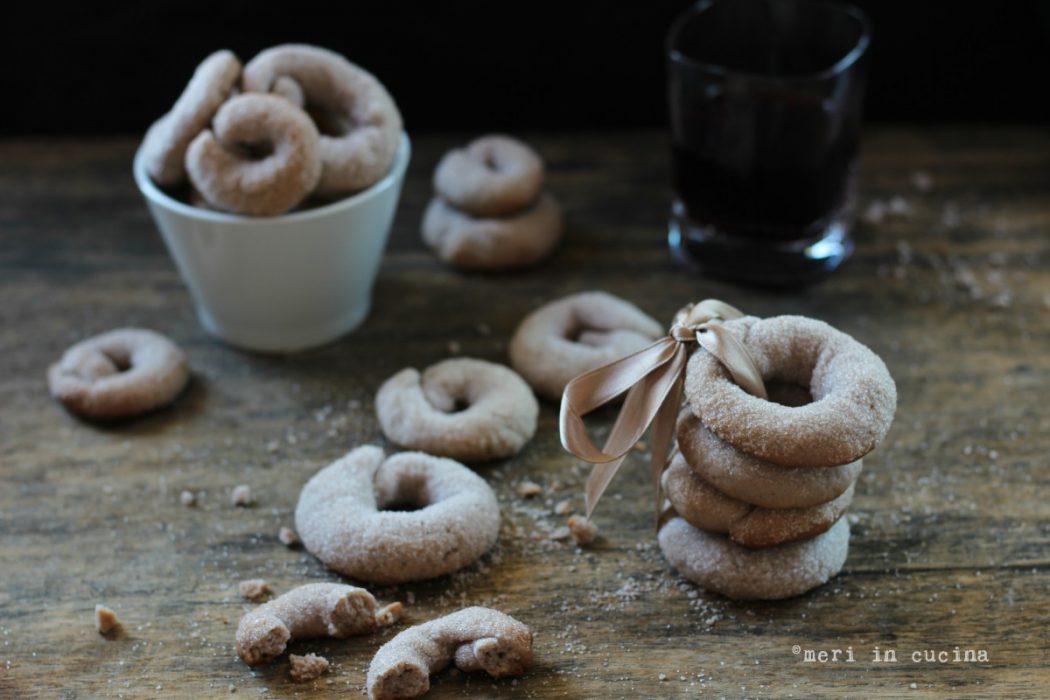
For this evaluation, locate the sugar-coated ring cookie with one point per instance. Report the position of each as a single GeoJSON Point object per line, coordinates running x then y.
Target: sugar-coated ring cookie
{"type": "Point", "coordinates": [261, 159]}
{"type": "Point", "coordinates": [854, 396]}
{"type": "Point", "coordinates": [749, 479]}
{"type": "Point", "coordinates": [341, 517]}
{"type": "Point", "coordinates": [492, 176]}
{"type": "Point", "coordinates": [119, 374]}
{"type": "Point", "coordinates": [313, 610]}
{"type": "Point", "coordinates": [466, 409]}
{"type": "Point", "coordinates": [699, 503]}
{"type": "Point", "coordinates": [707, 508]}
{"type": "Point", "coordinates": [717, 564]}
{"type": "Point", "coordinates": [475, 639]}
{"type": "Point", "coordinates": [165, 144]}
{"type": "Point", "coordinates": [363, 152]}
{"type": "Point", "coordinates": [575, 334]}
{"type": "Point", "coordinates": [471, 243]}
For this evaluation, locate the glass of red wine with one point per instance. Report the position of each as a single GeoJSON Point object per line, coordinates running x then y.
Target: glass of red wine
{"type": "Point", "coordinates": [765, 103]}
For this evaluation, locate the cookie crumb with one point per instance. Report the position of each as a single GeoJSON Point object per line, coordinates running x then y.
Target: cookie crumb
{"type": "Point", "coordinates": [899, 206]}
{"type": "Point", "coordinates": [922, 181]}
{"type": "Point", "coordinates": [241, 496]}
{"type": "Point", "coordinates": [563, 508]}
{"type": "Point", "coordinates": [390, 614]}
{"type": "Point", "coordinates": [528, 489]}
{"type": "Point", "coordinates": [307, 668]}
{"type": "Point", "coordinates": [105, 619]}
{"type": "Point", "coordinates": [254, 589]}
{"type": "Point", "coordinates": [582, 529]}
{"type": "Point", "coordinates": [287, 536]}
{"type": "Point", "coordinates": [561, 533]}
{"type": "Point", "coordinates": [188, 498]}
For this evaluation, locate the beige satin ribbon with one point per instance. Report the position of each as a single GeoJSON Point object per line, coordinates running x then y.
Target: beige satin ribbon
{"type": "Point", "coordinates": [653, 379]}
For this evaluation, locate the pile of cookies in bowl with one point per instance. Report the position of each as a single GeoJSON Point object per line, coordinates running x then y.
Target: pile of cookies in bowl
{"type": "Point", "coordinates": [296, 122]}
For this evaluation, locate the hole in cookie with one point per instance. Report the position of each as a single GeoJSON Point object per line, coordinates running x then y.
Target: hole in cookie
{"type": "Point", "coordinates": [328, 121]}
{"type": "Point", "coordinates": [788, 393]}
{"type": "Point", "coordinates": [255, 151]}
{"type": "Point", "coordinates": [459, 405]}
{"type": "Point", "coordinates": [121, 361]}
{"type": "Point", "coordinates": [491, 163]}
{"type": "Point", "coordinates": [403, 506]}
{"type": "Point", "coordinates": [583, 334]}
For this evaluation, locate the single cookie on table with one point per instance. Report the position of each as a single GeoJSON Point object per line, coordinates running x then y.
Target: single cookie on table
{"type": "Point", "coordinates": [347, 98]}
{"type": "Point", "coordinates": [312, 610]}
{"type": "Point", "coordinates": [119, 374]}
{"type": "Point", "coordinates": [575, 334]}
{"type": "Point", "coordinates": [165, 144]}
{"type": "Point", "coordinates": [474, 639]}
{"type": "Point", "coordinates": [492, 176]}
{"type": "Point", "coordinates": [517, 240]}
{"type": "Point", "coordinates": [746, 478]}
{"type": "Point", "coordinates": [348, 516]}
{"type": "Point", "coordinates": [466, 409]}
{"type": "Point", "coordinates": [717, 564]}
{"type": "Point", "coordinates": [854, 397]}
{"type": "Point", "coordinates": [707, 508]}
{"type": "Point", "coordinates": [227, 172]}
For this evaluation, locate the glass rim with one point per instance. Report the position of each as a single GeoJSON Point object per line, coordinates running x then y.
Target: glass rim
{"type": "Point", "coordinates": [840, 66]}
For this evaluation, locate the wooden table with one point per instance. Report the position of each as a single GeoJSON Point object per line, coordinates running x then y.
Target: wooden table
{"type": "Point", "coordinates": [950, 524]}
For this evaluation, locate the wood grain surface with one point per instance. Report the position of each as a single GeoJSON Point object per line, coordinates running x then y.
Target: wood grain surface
{"type": "Point", "coordinates": [951, 522]}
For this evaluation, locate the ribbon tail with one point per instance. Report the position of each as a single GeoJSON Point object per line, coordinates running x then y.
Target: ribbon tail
{"type": "Point", "coordinates": [662, 436]}
{"type": "Point", "coordinates": [641, 407]}
{"type": "Point", "coordinates": [592, 389]}
{"type": "Point", "coordinates": [598, 480]}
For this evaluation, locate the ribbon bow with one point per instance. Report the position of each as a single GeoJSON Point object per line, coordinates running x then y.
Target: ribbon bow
{"type": "Point", "coordinates": [653, 379]}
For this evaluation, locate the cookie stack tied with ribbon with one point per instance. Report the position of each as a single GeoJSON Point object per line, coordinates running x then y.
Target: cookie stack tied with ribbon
{"type": "Point", "coordinates": [491, 211]}
{"type": "Point", "coordinates": [778, 414]}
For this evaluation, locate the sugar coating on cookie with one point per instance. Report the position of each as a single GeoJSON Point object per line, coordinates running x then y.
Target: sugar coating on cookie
{"type": "Point", "coordinates": [746, 478]}
{"type": "Point", "coordinates": [517, 240]}
{"type": "Point", "coordinates": [720, 565]}
{"type": "Point", "coordinates": [119, 374]}
{"type": "Point", "coordinates": [854, 397]}
{"type": "Point", "coordinates": [261, 158]}
{"type": "Point", "coordinates": [466, 409]}
{"type": "Point", "coordinates": [313, 610]}
{"type": "Point", "coordinates": [707, 508]}
{"type": "Point", "coordinates": [493, 175]}
{"type": "Point", "coordinates": [575, 334]}
{"type": "Point", "coordinates": [475, 639]}
{"type": "Point", "coordinates": [698, 502]}
{"type": "Point", "coordinates": [346, 516]}
{"type": "Point", "coordinates": [361, 111]}
{"type": "Point", "coordinates": [165, 144]}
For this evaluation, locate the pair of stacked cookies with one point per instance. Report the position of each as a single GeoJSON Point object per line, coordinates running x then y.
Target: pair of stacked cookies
{"type": "Point", "coordinates": [758, 487]}
{"type": "Point", "coordinates": [491, 211]}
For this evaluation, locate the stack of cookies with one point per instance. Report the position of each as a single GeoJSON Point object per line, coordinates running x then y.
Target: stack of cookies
{"type": "Point", "coordinates": [757, 487]}
{"type": "Point", "coordinates": [490, 210]}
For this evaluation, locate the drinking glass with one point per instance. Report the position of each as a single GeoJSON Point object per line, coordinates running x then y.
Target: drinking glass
{"type": "Point", "coordinates": [765, 105]}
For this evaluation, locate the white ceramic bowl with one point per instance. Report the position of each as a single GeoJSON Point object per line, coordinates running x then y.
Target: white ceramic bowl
{"type": "Point", "coordinates": [282, 283]}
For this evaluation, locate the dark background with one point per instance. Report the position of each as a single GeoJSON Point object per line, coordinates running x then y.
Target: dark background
{"type": "Point", "coordinates": [469, 65]}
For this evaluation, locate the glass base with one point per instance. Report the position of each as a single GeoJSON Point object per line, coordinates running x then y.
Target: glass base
{"type": "Point", "coordinates": [758, 262]}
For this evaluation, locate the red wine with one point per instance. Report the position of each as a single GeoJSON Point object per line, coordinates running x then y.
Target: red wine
{"type": "Point", "coordinates": [765, 119]}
